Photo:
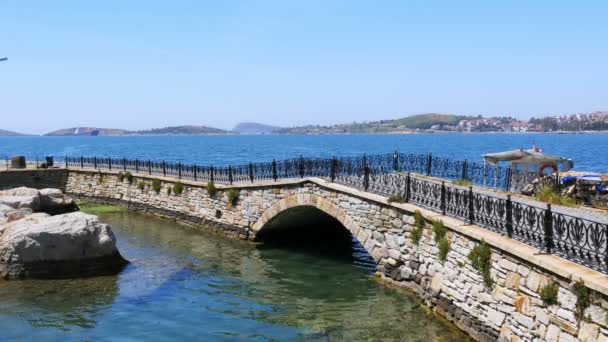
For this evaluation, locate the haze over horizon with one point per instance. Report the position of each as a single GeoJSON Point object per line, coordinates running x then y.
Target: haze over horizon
{"type": "Point", "coordinates": [141, 65]}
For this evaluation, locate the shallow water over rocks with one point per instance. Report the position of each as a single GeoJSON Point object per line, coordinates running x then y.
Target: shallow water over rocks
{"type": "Point", "coordinates": [184, 284]}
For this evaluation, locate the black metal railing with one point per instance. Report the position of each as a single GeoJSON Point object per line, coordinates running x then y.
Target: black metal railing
{"type": "Point", "coordinates": [577, 238]}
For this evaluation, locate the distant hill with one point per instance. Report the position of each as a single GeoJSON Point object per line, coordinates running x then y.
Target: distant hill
{"type": "Point", "coordinates": [4, 133]}
{"type": "Point", "coordinates": [402, 125]}
{"type": "Point", "coordinates": [181, 130]}
{"type": "Point", "coordinates": [175, 130]}
{"type": "Point", "coordinates": [254, 128]}
{"type": "Point", "coordinates": [88, 131]}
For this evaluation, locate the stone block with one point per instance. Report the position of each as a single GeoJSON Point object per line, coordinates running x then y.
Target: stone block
{"type": "Point", "coordinates": [436, 284]}
{"type": "Point", "coordinates": [535, 280]}
{"type": "Point", "coordinates": [395, 254]}
{"type": "Point", "coordinates": [507, 265]}
{"type": "Point", "coordinates": [495, 317]}
{"type": "Point", "coordinates": [512, 281]}
{"type": "Point", "coordinates": [563, 325]}
{"type": "Point", "coordinates": [522, 304]}
{"type": "Point", "coordinates": [552, 334]}
{"type": "Point", "coordinates": [566, 299]}
{"type": "Point", "coordinates": [588, 332]}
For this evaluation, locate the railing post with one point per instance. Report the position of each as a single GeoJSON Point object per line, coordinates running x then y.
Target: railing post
{"type": "Point", "coordinates": [164, 168]}
{"type": "Point", "coordinates": [195, 172]}
{"type": "Point", "coordinates": [465, 166]}
{"type": "Point", "coordinates": [429, 161]}
{"type": "Point", "coordinates": [301, 167]}
{"type": "Point", "coordinates": [179, 170]}
{"type": "Point", "coordinates": [149, 167]}
{"type": "Point", "coordinates": [81, 162]}
{"type": "Point", "coordinates": [251, 172]}
{"type": "Point", "coordinates": [508, 180]}
{"type": "Point", "coordinates": [471, 206]}
{"type": "Point", "coordinates": [95, 162]}
{"type": "Point", "coordinates": [408, 189]}
{"type": "Point", "coordinates": [333, 167]}
{"type": "Point", "coordinates": [395, 161]}
{"type": "Point", "coordinates": [548, 228]}
{"type": "Point", "coordinates": [66, 162]}
{"type": "Point", "coordinates": [124, 164]}
{"type": "Point", "coordinates": [365, 173]}
{"type": "Point", "coordinates": [274, 170]}
{"type": "Point", "coordinates": [212, 177]}
{"type": "Point", "coordinates": [110, 164]}
{"type": "Point", "coordinates": [443, 204]}
{"type": "Point", "coordinates": [136, 165]}
{"type": "Point", "coordinates": [230, 174]}
{"type": "Point", "coordinates": [509, 217]}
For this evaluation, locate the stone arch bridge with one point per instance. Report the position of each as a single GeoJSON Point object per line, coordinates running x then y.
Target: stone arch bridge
{"type": "Point", "coordinates": [509, 308]}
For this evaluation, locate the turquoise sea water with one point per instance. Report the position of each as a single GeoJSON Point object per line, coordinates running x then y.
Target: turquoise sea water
{"type": "Point", "coordinates": [187, 285]}
{"type": "Point", "coordinates": [589, 151]}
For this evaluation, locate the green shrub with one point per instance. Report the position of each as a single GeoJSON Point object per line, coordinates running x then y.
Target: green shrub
{"type": "Point", "coordinates": [548, 195]}
{"type": "Point", "coordinates": [178, 188]}
{"type": "Point", "coordinates": [396, 199]}
{"type": "Point", "coordinates": [141, 185]}
{"type": "Point", "coordinates": [418, 228]}
{"type": "Point", "coordinates": [444, 246]}
{"type": "Point", "coordinates": [233, 196]}
{"type": "Point", "coordinates": [125, 175]}
{"type": "Point", "coordinates": [416, 235]}
{"type": "Point", "coordinates": [463, 182]}
{"type": "Point", "coordinates": [582, 299]}
{"type": "Point", "coordinates": [156, 185]}
{"type": "Point", "coordinates": [129, 177]}
{"type": "Point", "coordinates": [211, 189]}
{"type": "Point", "coordinates": [440, 230]}
{"type": "Point", "coordinates": [481, 259]}
{"type": "Point", "coordinates": [419, 220]}
{"type": "Point", "coordinates": [548, 294]}
{"type": "Point", "coordinates": [168, 191]}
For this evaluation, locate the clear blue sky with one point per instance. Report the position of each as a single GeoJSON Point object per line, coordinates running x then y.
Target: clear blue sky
{"type": "Point", "coordinates": [143, 64]}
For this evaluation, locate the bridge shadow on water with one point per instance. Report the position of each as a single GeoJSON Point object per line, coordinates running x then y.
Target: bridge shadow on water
{"type": "Point", "coordinates": [308, 230]}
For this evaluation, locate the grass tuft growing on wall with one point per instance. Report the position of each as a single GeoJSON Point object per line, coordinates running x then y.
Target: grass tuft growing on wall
{"type": "Point", "coordinates": [481, 259]}
{"type": "Point", "coordinates": [440, 230]}
{"type": "Point", "coordinates": [156, 185]}
{"type": "Point", "coordinates": [463, 182]}
{"type": "Point", "coordinates": [582, 299]}
{"type": "Point", "coordinates": [211, 189]}
{"type": "Point", "coordinates": [233, 196]}
{"type": "Point", "coordinates": [396, 199]}
{"type": "Point", "coordinates": [418, 229]}
{"type": "Point", "coordinates": [178, 188]}
{"type": "Point", "coordinates": [444, 247]}
{"type": "Point", "coordinates": [548, 293]}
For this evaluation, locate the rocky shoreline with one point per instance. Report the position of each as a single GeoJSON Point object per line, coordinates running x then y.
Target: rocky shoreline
{"type": "Point", "coordinates": [42, 235]}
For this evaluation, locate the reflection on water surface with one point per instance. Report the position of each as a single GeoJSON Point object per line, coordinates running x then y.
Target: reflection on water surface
{"type": "Point", "coordinates": [186, 284]}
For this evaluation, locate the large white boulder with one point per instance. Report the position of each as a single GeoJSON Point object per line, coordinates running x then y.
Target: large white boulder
{"type": "Point", "coordinates": [43, 246]}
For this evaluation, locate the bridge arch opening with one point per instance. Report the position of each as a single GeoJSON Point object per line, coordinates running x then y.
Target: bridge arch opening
{"type": "Point", "coordinates": [308, 229]}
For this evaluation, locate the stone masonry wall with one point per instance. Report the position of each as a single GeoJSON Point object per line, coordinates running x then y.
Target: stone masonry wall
{"type": "Point", "coordinates": [509, 310]}
{"type": "Point", "coordinates": [38, 179]}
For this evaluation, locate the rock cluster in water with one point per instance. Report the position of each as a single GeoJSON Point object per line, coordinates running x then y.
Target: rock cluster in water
{"type": "Point", "coordinates": [35, 244]}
